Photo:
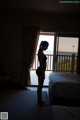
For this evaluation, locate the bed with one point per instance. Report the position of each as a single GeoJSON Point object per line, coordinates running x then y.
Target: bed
{"type": "Point", "coordinates": [65, 113]}
{"type": "Point", "coordinates": [64, 89]}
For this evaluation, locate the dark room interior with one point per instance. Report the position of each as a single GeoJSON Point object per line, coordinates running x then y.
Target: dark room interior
{"type": "Point", "coordinates": [21, 21]}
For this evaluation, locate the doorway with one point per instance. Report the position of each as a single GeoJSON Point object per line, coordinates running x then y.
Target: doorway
{"type": "Point", "coordinates": [49, 37]}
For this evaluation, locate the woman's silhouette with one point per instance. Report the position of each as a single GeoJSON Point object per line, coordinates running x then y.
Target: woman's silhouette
{"type": "Point", "coordinates": [41, 70]}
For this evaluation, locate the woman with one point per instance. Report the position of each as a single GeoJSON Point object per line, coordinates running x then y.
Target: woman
{"type": "Point", "coordinates": [41, 70]}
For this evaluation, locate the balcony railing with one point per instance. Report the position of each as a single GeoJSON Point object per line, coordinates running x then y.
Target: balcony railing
{"type": "Point", "coordinates": [63, 63]}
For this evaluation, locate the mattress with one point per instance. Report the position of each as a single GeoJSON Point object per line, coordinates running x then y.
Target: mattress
{"type": "Point", "coordinates": [65, 113]}
{"type": "Point", "coordinates": [64, 85]}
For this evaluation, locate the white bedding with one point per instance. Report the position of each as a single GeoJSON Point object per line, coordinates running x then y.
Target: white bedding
{"type": "Point", "coordinates": [65, 113]}
{"type": "Point", "coordinates": [64, 85]}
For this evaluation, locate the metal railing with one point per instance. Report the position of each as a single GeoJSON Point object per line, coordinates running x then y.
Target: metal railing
{"type": "Point", "coordinates": [64, 63]}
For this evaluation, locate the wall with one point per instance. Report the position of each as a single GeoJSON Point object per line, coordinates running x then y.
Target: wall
{"type": "Point", "coordinates": [11, 48]}
{"type": "Point", "coordinates": [11, 35]}
{"type": "Point", "coordinates": [56, 22]}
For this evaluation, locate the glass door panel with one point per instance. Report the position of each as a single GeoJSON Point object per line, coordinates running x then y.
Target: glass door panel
{"type": "Point", "coordinates": [65, 48]}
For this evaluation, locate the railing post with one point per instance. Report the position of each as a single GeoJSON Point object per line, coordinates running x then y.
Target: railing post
{"type": "Point", "coordinates": [72, 63]}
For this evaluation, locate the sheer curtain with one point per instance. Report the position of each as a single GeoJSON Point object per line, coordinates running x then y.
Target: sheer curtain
{"type": "Point", "coordinates": [31, 36]}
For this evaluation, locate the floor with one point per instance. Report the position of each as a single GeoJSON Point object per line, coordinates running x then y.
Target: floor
{"type": "Point", "coordinates": [35, 89]}
{"type": "Point", "coordinates": [22, 104]}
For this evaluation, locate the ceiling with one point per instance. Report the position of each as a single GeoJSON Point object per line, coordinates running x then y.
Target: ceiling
{"type": "Point", "coordinates": [53, 6]}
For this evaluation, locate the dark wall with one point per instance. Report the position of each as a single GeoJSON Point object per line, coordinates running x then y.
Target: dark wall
{"type": "Point", "coordinates": [11, 48]}
{"type": "Point", "coordinates": [55, 22]}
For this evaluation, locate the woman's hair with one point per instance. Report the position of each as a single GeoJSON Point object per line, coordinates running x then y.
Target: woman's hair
{"type": "Point", "coordinates": [43, 43]}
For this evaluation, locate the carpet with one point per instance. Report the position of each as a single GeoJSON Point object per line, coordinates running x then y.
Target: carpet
{"type": "Point", "coordinates": [22, 105]}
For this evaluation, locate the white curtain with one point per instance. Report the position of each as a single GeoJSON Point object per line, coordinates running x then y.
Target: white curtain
{"type": "Point", "coordinates": [31, 36]}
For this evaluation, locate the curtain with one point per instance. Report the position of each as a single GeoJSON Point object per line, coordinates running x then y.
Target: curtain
{"type": "Point", "coordinates": [31, 36]}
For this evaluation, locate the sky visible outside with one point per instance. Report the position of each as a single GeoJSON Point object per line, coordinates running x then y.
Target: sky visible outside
{"type": "Point", "coordinates": [66, 44]}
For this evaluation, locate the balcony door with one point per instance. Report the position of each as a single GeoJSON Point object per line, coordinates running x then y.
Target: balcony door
{"type": "Point", "coordinates": [64, 46]}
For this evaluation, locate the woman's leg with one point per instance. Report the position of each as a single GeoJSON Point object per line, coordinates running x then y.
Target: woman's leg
{"type": "Point", "coordinates": [39, 89]}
